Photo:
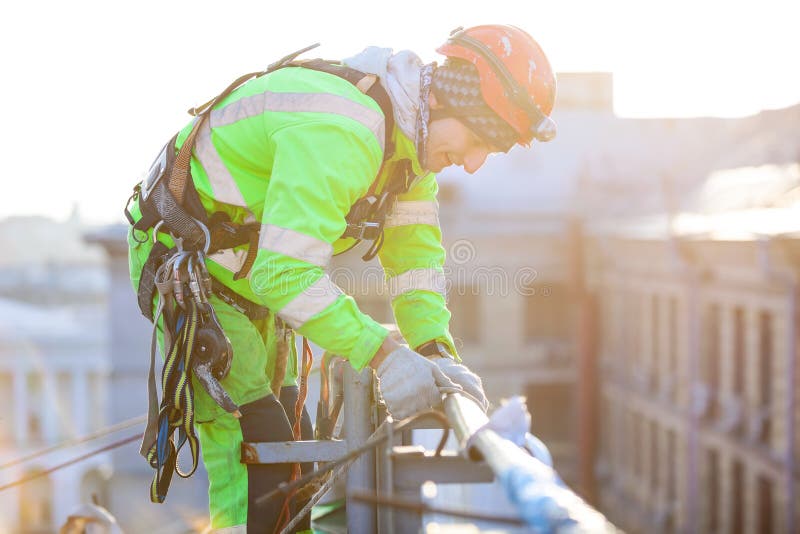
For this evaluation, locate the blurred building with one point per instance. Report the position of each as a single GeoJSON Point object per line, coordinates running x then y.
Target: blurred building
{"type": "Point", "coordinates": [74, 360]}
{"type": "Point", "coordinates": [54, 371]}
{"type": "Point", "coordinates": [700, 385]}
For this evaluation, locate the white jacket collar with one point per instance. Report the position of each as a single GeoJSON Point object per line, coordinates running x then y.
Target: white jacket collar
{"type": "Point", "coordinates": [399, 75]}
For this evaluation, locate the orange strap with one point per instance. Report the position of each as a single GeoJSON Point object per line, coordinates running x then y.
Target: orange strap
{"type": "Point", "coordinates": [308, 361]}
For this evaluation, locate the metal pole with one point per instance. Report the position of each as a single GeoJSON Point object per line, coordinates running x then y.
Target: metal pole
{"type": "Point", "coordinates": [357, 428]}
{"type": "Point", "coordinates": [385, 481]}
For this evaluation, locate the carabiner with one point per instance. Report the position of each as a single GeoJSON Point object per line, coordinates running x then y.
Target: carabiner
{"type": "Point", "coordinates": [156, 228]}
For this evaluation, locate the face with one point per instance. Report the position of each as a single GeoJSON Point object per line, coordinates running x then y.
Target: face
{"type": "Point", "coordinates": [450, 142]}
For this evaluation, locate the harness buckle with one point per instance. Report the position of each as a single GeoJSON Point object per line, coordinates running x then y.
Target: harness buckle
{"type": "Point", "coordinates": [365, 231]}
{"type": "Point", "coordinates": [157, 171]}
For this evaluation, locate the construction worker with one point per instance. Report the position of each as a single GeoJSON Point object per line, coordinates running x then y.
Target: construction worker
{"type": "Point", "coordinates": [298, 164]}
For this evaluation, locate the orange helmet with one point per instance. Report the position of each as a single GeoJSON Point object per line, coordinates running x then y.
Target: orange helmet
{"type": "Point", "coordinates": [515, 77]}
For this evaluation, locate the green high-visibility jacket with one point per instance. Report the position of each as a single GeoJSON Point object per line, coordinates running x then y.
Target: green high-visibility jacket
{"type": "Point", "coordinates": [294, 150]}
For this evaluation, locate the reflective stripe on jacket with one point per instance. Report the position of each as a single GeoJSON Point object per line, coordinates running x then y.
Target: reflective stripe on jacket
{"type": "Point", "coordinates": [294, 150]}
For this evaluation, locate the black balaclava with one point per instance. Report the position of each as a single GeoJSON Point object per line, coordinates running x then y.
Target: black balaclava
{"type": "Point", "coordinates": [457, 87]}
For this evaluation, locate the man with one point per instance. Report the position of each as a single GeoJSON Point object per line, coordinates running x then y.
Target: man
{"type": "Point", "coordinates": [309, 160]}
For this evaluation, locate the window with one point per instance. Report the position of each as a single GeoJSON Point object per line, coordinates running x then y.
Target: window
{"type": "Point", "coordinates": [66, 420]}
{"type": "Point", "coordinates": [546, 312]}
{"type": "Point", "coordinates": [636, 439]}
{"type": "Point", "coordinates": [765, 373]}
{"type": "Point", "coordinates": [712, 491]}
{"type": "Point", "coordinates": [464, 305]}
{"type": "Point", "coordinates": [7, 421]}
{"type": "Point", "coordinates": [655, 460]}
{"type": "Point", "coordinates": [737, 502]}
{"type": "Point", "coordinates": [633, 317]}
{"type": "Point", "coordinates": [606, 428]}
{"type": "Point", "coordinates": [614, 313]}
{"type": "Point", "coordinates": [739, 363]}
{"type": "Point", "coordinates": [765, 505]}
{"type": "Point", "coordinates": [655, 336]}
{"type": "Point", "coordinates": [98, 393]}
{"type": "Point", "coordinates": [709, 371]}
{"type": "Point", "coordinates": [552, 411]}
{"type": "Point", "coordinates": [672, 344]}
{"type": "Point", "coordinates": [35, 420]}
{"type": "Point", "coordinates": [672, 466]}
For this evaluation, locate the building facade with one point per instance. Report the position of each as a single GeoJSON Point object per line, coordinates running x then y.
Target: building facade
{"type": "Point", "coordinates": [699, 407]}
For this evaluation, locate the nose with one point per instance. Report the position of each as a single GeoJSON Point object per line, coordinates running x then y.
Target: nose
{"type": "Point", "coordinates": [474, 160]}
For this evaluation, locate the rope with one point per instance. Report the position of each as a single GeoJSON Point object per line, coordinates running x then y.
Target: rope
{"type": "Point", "coordinates": [77, 441]}
{"type": "Point", "coordinates": [317, 496]}
{"type": "Point", "coordinates": [176, 413]}
{"type": "Point", "coordinates": [109, 447]}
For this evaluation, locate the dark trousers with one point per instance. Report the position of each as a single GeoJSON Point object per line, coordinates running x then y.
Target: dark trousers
{"type": "Point", "coordinates": [269, 420]}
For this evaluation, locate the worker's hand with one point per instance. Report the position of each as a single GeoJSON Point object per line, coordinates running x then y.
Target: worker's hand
{"type": "Point", "coordinates": [461, 375]}
{"type": "Point", "coordinates": [411, 383]}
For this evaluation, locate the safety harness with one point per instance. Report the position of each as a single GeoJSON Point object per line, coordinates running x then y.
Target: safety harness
{"type": "Point", "coordinates": [195, 341]}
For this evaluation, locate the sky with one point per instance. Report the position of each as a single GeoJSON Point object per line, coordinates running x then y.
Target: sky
{"type": "Point", "coordinates": [92, 89]}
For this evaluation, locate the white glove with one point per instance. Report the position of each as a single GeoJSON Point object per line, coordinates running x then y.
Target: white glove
{"type": "Point", "coordinates": [410, 383]}
{"type": "Point", "coordinates": [461, 375]}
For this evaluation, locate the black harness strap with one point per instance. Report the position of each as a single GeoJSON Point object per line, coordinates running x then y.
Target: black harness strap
{"type": "Point", "coordinates": [147, 288]}
{"type": "Point", "coordinates": [168, 195]}
{"type": "Point", "coordinates": [147, 282]}
{"type": "Point", "coordinates": [252, 310]}
{"type": "Point", "coordinates": [367, 217]}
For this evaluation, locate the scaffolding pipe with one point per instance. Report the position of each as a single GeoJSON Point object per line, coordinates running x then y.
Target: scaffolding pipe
{"type": "Point", "coordinates": [361, 517]}
{"type": "Point", "coordinates": [541, 499]}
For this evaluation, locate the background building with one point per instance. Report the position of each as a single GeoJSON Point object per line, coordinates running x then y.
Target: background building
{"type": "Point", "coordinates": [54, 370]}
{"type": "Point", "coordinates": [699, 407]}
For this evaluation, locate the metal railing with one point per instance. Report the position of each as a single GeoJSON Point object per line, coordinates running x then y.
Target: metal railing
{"type": "Point", "coordinates": [383, 479]}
